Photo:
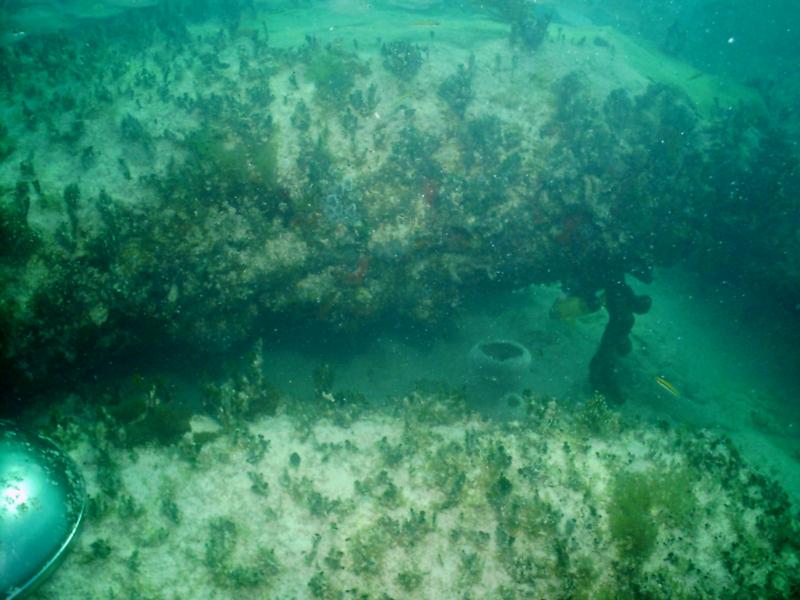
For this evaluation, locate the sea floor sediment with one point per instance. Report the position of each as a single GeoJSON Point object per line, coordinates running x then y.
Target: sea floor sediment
{"type": "Point", "coordinates": [335, 498]}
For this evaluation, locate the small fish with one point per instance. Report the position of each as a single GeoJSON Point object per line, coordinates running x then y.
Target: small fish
{"type": "Point", "coordinates": [667, 386]}
{"type": "Point", "coordinates": [7, 38]}
{"type": "Point", "coordinates": [425, 23]}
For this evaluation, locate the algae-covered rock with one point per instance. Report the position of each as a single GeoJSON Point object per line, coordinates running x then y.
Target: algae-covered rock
{"type": "Point", "coordinates": [300, 180]}
{"type": "Point", "coordinates": [402, 58]}
{"type": "Point", "coordinates": [7, 145]}
{"type": "Point", "coordinates": [426, 496]}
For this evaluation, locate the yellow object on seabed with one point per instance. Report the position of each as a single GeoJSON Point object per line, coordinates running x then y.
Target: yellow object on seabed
{"type": "Point", "coordinates": [667, 386]}
{"type": "Point", "coordinates": [570, 308]}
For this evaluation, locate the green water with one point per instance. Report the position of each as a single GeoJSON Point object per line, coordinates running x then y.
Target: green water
{"type": "Point", "coordinates": [249, 252]}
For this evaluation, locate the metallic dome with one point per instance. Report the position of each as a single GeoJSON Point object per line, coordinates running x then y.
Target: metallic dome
{"type": "Point", "coordinates": [42, 501]}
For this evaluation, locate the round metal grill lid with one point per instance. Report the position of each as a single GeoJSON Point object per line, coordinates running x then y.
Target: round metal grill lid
{"type": "Point", "coordinates": [42, 501]}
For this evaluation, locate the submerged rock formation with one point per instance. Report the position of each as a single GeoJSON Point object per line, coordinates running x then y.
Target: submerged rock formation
{"type": "Point", "coordinates": [308, 182]}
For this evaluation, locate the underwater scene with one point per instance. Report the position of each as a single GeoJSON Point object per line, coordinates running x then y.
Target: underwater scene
{"type": "Point", "coordinates": [340, 299]}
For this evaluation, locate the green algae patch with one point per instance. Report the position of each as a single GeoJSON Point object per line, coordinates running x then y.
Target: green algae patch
{"type": "Point", "coordinates": [630, 516]}
{"type": "Point", "coordinates": [643, 502]}
{"type": "Point", "coordinates": [236, 159]}
{"type": "Point", "coordinates": [333, 72]}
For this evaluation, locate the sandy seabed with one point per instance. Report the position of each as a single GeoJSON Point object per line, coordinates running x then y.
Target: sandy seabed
{"type": "Point", "coordinates": [425, 499]}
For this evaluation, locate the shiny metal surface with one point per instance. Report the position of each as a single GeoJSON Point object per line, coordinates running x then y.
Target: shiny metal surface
{"type": "Point", "coordinates": [42, 502]}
